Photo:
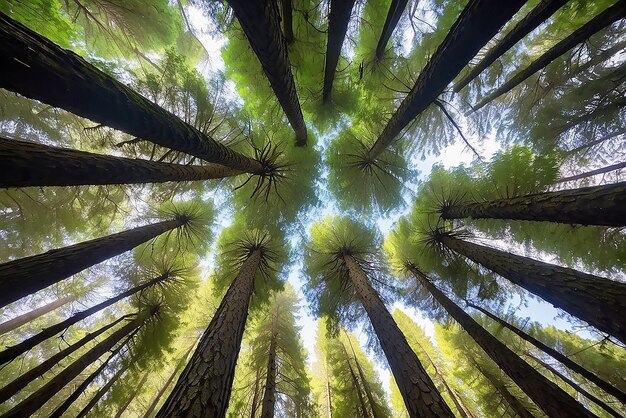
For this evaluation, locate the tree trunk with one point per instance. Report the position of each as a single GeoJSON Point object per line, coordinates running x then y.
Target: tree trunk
{"type": "Point", "coordinates": [594, 142]}
{"type": "Point", "coordinates": [602, 205]}
{"type": "Point", "coordinates": [25, 276]}
{"type": "Point", "coordinates": [132, 396]}
{"type": "Point", "coordinates": [24, 164]}
{"type": "Point", "coordinates": [547, 395]}
{"type": "Point", "coordinates": [598, 301]}
{"type": "Point", "coordinates": [598, 112]}
{"type": "Point", "coordinates": [530, 22]}
{"type": "Point", "coordinates": [38, 371]}
{"type": "Point", "coordinates": [366, 385]}
{"type": "Point", "coordinates": [601, 21]}
{"type": "Point", "coordinates": [566, 361]}
{"type": "Point", "coordinates": [260, 22]}
{"type": "Point", "coordinates": [269, 395]}
{"type": "Point", "coordinates": [287, 9]}
{"type": "Point", "coordinates": [101, 392]}
{"type": "Point", "coordinates": [391, 21]}
{"type": "Point", "coordinates": [477, 24]}
{"type": "Point", "coordinates": [12, 352]}
{"type": "Point", "coordinates": [18, 321]}
{"type": "Point", "coordinates": [591, 173]}
{"type": "Point", "coordinates": [357, 388]}
{"type": "Point", "coordinates": [340, 12]}
{"type": "Point", "coordinates": [35, 67]}
{"type": "Point", "coordinates": [203, 389]}
{"type": "Point", "coordinates": [419, 392]}
{"type": "Point", "coordinates": [255, 398]}
{"type": "Point", "coordinates": [328, 394]}
{"type": "Point", "coordinates": [37, 399]}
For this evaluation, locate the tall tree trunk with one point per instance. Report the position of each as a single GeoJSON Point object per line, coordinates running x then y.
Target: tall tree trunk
{"type": "Point", "coordinates": [602, 205]}
{"type": "Point", "coordinates": [35, 67]}
{"type": "Point", "coordinates": [269, 395]}
{"type": "Point", "coordinates": [12, 352]}
{"type": "Point", "coordinates": [357, 387]}
{"type": "Point", "coordinates": [260, 22]}
{"type": "Point", "coordinates": [599, 112]}
{"type": "Point", "coordinates": [547, 395]}
{"type": "Point", "coordinates": [421, 397]}
{"type": "Point", "coordinates": [24, 164]}
{"type": "Point", "coordinates": [287, 15]}
{"type": "Point", "coordinates": [601, 21]}
{"type": "Point", "coordinates": [466, 410]}
{"type": "Point", "coordinates": [255, 398]}
{"type": "Point", "coordinates": [596, 300]}
{"type": "Point", "coordinates": [594, 142]}
{"type": "Point", "coordinates": [530, 22]}
{"type": "Point", "coordinates": [204, 387]}
{"type": "Point", "coordinates": [25, 276]}
{"type": "Point", "coordinates": [37, 399]}
{"type": "Point", "coordinates": [101, 392]}
{"type": "Point", "coordinates": [591, 173]}
{"type": "Point", "coordinates": [566, 361]}
{"type": "Point", "coordinates": [340, 12]}
{"type": "Point", "coordinates": [132, 396]}
{"type": "Point", "coordinates": [18, 321]}
{"type": "Point", "coordinates": [391, 21]}
{"type": "Point", "coordinates": [477, 24]}
{"type": "Point", "coordinates": [328, 394]}
{"type": "Point", "coordinates": [366, 385]}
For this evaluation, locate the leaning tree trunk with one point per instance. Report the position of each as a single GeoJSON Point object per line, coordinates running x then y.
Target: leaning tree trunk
{"type": "Point", "coordinates": [421, 397]}
{"type": "Point", "coordinates": [132, 396]}
{"type": "Point", "coordinates": [598, 113]}
{"type": "Point", "coordinates": [204, 387]}
{"type": "Point", "coordinates": [477, 24]}
{"type": "Point", "coordinates": [366, 385]}
{"type": "Point", "coordinates": [24, 164]}
{"type": "Point", "coordinates": [548, 396]}
{"type": "Point", "coordinates": [340, 12]}
{"type": "Point", "coordinates": [530, 22]}
{"type": "Point", "coordinates": [602, 205]}
{"type": "Point", "coordinates": [260, 22]}
{"type": "Point", "coordinates": [101, 392]}
{"type": "Point", "coordinates": [255, 398]}
{"type": "Point", "coordinates": [12, 352]}
{"type": "Point", "coordinates": [591, 173]}
{"type": "Point", "coordinates": [22, 277]}
{"type": "Point", "coordinates": [566, 361]}
{"type": "Point", "coordinates": [598, 301]}
{"type": "Point", "coordinates": [287, 15]}
{"type": "Point", "coordinates": [391, 21]}
{"type": "Point", "coordinates": [594, 142]}
{"type": "Point", "coordinates": [269, 395]}
{"type": "Point", "coordinates": [357, 387]}
{"type": "Point", "coordinates": [601, 21]}
{"type": "Point", "coordinates": [18, 321]}
{"type": "Point", "coordinates": [35, 67]}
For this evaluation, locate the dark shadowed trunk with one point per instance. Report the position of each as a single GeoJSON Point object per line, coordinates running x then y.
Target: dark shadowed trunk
{"type": "Point", "coordinates": [255, 397]}
{"type": "Point", "coordinates": [391, 21]}
{"type": "Point", "coordinates": [287, 15]}
{"type": "Point", "coordinates": [340, 12]}
{"type": "Point", "coordinates": [591, 173]}
{"type": "Point", "coordinates": [366, 385]}
{"type": "Point", "coordinates": [269, 394]}
{"type": "Point", "coordinates": [101, 392]}
{"type": "Point", "coordinates": [357, 388]}
{"type": "Point", "coordinates": [203, 389]}
{"type": "Point", "coordinates": [18, 321]}
{"type": "Point", "coordinates": [132, 396]}
{"type": "Point", "coordinates": [419, 392]}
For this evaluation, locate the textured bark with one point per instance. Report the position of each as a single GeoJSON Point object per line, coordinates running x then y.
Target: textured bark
{"type": "Point", "coordinates": [591, 173]}
{"type": "Point", "coordinates": [603, 205]}
{"type": "Point", "coordinates": [101, 392]}
{"type": "Point", "coordinates": [530, 22]}
{"type": "Point", "coordinates": [24, 164]}
{"type": "Point", "coordinates": [35, 67]}
{"type": "Point", "coordinates": [260, 22]}
{"type": "Point", "coordinates": [598, 301]}
{"type": "Point", "coordinates": [18, 321]}
{"type": "Point", "coordinates": [547, 395]}
{"type": "Point", "coordinates": [25, 276]}
{"type": "Point", "coordinates": [477, 24]}
{"type": "Point", "coordinates": [566, 361]}
{"type": "Point", "coordinates": [287, 9]}
{"type": "Point", "coordinates": [391, 21]}
{"type": "Point", "coordinates": [132, 396]}
{"type": "Point", "coordinates": [204, 387]}
{"type": "Point", "coordinates": [419, 392]}
{"type": "Point", "coordinates": [12, 352]}
{"type": "Point", "coordinates": [269, 394]}
{"type": "Point", "coordinates": [340, 12]}
{"type": "Point", "coordinates": [599, 22]}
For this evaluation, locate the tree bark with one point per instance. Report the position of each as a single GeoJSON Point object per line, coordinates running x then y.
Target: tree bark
{"type": "Point", "coordinates": [204, 387]}
{"type": "Point", "coordinates": [591, 173]}
{"type": "Point", "coordinates": [269, 395]}
{"type": "Point", "coordinates": [530, 22]}
{"type": "Point", "coordinates": [132, 396]}
{"type": "Point", "coordinates": [25, 276]}
{"type": "Point", "coordinates": [260, 22]}
{"type": "Point", "coordinates": [101, 392]}
{"type": "Point", "coordinates": [477, 24]}
{"type": "Point", "coordinates": [25, 164]}
{"type": "Point", "coordinates": [287, 9]}
{"type": "Point", "coordinates": [391, 21]}
{"type": "Point", "coordinates": [18, 321]}
{"type": "Point", "coordinates": [357, 388]}
{"type": "Point", "coordinates": [36, 68]}
{"type": "Point", "coordinates": [602, 205]}
{"type": "Point", "coordinates": [547, 395]}
{"type": "Point", "coordinates": [419, 392]}
{"type": "Point", "coordinates": [366, 385]}
{"type": "Point", "coordinates": [598, 301]}
{"type": "Point", "coordinates": [601, 21]}
{"type": "Point", "coordinates": [340, 12]}
{"type": "Point", "coordinates": [255, 398]}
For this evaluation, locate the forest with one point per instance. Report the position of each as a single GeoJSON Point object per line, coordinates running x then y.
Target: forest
{"type": "Point", "coordinates": [312, 208]}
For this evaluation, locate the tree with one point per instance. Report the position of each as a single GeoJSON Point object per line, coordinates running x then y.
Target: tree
{"type": "Point", "coordinates": [338, 19]}
{"type": "Point", "coordinates": [396, 8]}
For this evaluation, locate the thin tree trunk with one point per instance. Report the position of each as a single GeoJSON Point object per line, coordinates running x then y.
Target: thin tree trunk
{"type": "Point", "coordinates": [101, 392]}
{"type": "Point", "coordinates": [530, 22]}
{"type": "Point", "coordinates": [287, 9]}
{"type": "Point", "coordinates": [591, 173]}
{"type": "Point", "coordinates": [391, 21]}
{"type": "Point", "coordinates": [24, 164]}
{"type": "Point", "coordinates": [260, 22]}
{"type": "Point", "coordinates": [477, 24]}
{"type": "Point", "coordinates": [366, 385]}
{"type": "Point", "coordinates": [12, 352]}
{"type": "Point", "coordinates": [25, 276]}
{"type": "Point", "coordinates": [18, 321]}
{"type": "Point", "coordinates": [204, 387]}
{"type": "Point", "coordinates": [132, 396]}
{"type": "Point", "coordinates": [467, 410]}
{"type": "Point", "coordinates": [255, 398]}
{"type": "Point", "coordinates": [598, 112]}
{"type": "Point", "coordinates": [421, 397]}
{"type": "Point", "coordinates": [601, 21]}
{"type": "Point", "coordinates": [328, 394]}
{"type": "Point", "coordinates": [598, 301]}
{"type": "Point", "coordinates": [594, 142]}
{"type": "Point", "coordinates": [357, 388]}
{"type": "Point", "coordinates": [36, 68]}
{"type": "Point", "coordinates": [340, 12]}
{"type": "Point", "coordinates": [596, 59]}
{"type": "Point", "coordinates": [547, 395]}
{"type": "Point", "coordinates": [566, 361]}
{"type": "Point", "coordinates": [602, 205]}
{"type": "Point", "coordinates": [269, 395]}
